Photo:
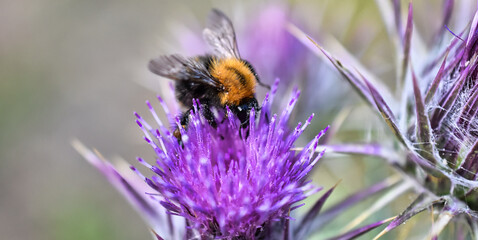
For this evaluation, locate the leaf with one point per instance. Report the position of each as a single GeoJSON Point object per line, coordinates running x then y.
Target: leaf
{"type": "Point", "coordinates": [469, 110]}
{"type": "Point", "coordinates": [452, 145]}
{"type": "Point", "coordinates": [436, 82]}
{"type": "Point", "coordinates": [360, 231]}
{"type": "Point", "coordinates": [368, 92]}
{"type": "Point", "coordinates": [391, 16]}
{"type": "Point", "coordinates": [373, 150]}
{"type": "Point", "coordinates": [156, 235]}
{"type": "Point", "coordinates": [447, 12]}
{"type": "Point", "coordinates": [353, 80]}
{"type": "Point", "coordinates": [353, 63]}
{"type": "Point", "coordinates": [421, 203]}
{"type": "Point", "coordinates": [472, 37]}
{"type": "Point", "coordinates": [327, 216]}
{"type": "Point", "coordinates": [441, 222]}
{"type": "Point", "coordinates": [449, 99]}
{"type": "Point", "coordinates": [423, 131]}
{"type": "Point", "coordinates": [386, 114]}
{"type": "Point", "coordinates": [434, 169]}
{"type": "Point", "coordinates": [469, 167]}
{"type": "Point", "coordinates": [133, 188]}
{"type": "Point", "coordinates": [304, 226]}
{"type": "Point", "coordinates": [387, 198]}
{"type": "Point", "coordinates": [286, 229]}
{"type": "Point", "coordinates": [473, 225]}
{"type": "Point", "coordinates": [137, 200]}
{"type": "Point", "coordinates": [319, 51]}
{"type": "Point", "coordinates": [397, 15]}
{"type": "Point", "coordinates": [336, 124]}
{"type": "Point", "coordinates": [407, 39]}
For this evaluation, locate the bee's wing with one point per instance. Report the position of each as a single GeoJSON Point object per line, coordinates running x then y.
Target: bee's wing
{"type": "Point", "coordinates": [177, 67]}
{"type": "Point", "coordinates": [220, 35]}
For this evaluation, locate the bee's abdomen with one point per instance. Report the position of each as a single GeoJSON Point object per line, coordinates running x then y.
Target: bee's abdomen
{"type": "Point", "coordinates": [237, 78]}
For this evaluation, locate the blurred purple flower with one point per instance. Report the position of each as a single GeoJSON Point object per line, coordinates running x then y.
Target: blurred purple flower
{"type": "Point", "coordinates": [268, 45]}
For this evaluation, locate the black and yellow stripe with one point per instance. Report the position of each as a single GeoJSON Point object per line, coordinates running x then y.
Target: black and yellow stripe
{"type": "Point", "coordinates": [237, 77]}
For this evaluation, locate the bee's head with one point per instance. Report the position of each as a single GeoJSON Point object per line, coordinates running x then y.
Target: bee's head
{"type": "Point", "coordinates": [243, 110]}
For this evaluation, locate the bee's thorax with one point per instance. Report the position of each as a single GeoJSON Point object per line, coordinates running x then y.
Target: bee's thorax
{"type": "Point", "coordinates": [237, 78]}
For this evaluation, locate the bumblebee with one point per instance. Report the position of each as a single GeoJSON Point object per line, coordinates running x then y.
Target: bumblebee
{"type": "Point", "coordinates": [217, 80]}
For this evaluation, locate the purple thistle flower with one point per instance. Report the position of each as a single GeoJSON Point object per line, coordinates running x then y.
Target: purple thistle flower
{"type": "Point", "coordinates": [231, 182]}
{"type": "Point", "coordinates": [227, 185]}
{"type": "Point", "coordinates": [269, 46]}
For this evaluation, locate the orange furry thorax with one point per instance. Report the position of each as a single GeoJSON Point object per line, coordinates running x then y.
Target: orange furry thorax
{"type": "Point", "coordinates": [237, 78]}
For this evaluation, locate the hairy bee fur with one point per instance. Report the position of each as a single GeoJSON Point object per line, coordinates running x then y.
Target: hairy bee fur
{"type": "Point", "coordinates": [220, 79]}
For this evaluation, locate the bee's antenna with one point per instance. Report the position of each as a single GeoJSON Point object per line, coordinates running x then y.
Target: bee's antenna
{"type": "Point", "coordinates": [264, 85]}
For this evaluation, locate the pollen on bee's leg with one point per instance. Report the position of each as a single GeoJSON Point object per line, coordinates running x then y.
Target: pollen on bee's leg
{"type": "Point", "coordinates": [177, 134]}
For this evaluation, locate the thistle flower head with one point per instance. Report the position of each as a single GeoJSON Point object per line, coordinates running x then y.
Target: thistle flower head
{"type": "Point", "coordinates": [228, 181]}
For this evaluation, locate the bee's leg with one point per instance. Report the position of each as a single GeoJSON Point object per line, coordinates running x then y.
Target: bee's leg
{"type": "Point", "coordinates": [185, 118]}
{"type": "Point", "coordinates": [184, 121]}
{"type": "Point", "coordinates": [209, 116]}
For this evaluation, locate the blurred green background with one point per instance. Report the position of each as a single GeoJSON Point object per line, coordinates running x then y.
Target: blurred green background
{"type": "Point", "coordinates": [77, 69]}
